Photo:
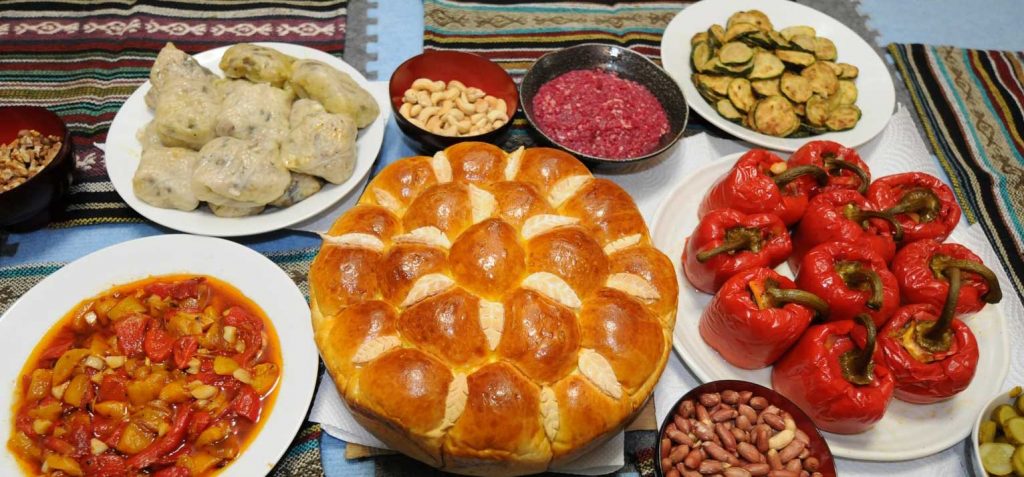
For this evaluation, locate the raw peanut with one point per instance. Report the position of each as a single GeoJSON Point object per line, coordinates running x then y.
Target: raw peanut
{"type": "Point", "coordinates": [703, 432]}
{"type": "Point", "coordinates": [728, 440]}
{"type": "Point", "coordinates": [710, 399]}
{"type": "Point", "coordinates": [745, 396]}
{"type": "Point", "coordinates": [758, 470]}
{"type": "Point", "coordinates": [666, 446]}
{"type": "Point", "coordinates": [791, 451]}
{"type": "Point", "coordinates": [691, 473]}
{"type": "Point", "coordinates": [795, 466]}
{"type": "Point", "coordinates": [680, 422]}
{"type": "Point", "coordinates": [773, 460]}
{"type": "Point", "coordinates": [783, 473]}
{"type": "Point", "coordinates": [804, 473]}
{"type": "Point", "coordinates": [678, 453]}
{"type": "Point", "coordinates": [743, 423]}
{"type": "Point", "coordinates": [748, 452]}
{"type": "Point", "coordinates": [672, 473]}
{"type": "Point", "coordinates": [723, 415]}
{"type": "Point", "coordinates": [749, 412]}
{"type": "Point", "coordinates": [687, 426]}
{"type": "Point", "coordinates": [666, 463]}
{"type": "Point", "coordinates": [717, 452]}
{"type": "Point", "coordinates": [740, 435]}
{"type": "Point", "coordinates": [693, 459]}
{"type": "Point", "coordinates": [811, 464]}
{"type": "Point", "coordinates": [736, 472]}
{"type": "Point", "coordinates": [686, 409]}
{"type": "Point", "coordinates": [817, 474]}
{"type": "Point", "coordinates": [773, 410]}
{"type": "Point", "coordinates": [804, 453]}
{"type": "Point", "coordinates": [762, 433]}
{"type": "Point", "coordinates": [774, 420]}
{"type": "Point", "coordinates": [730, 397]}
{"type": "Point", "coordinates": [703, 415]}
{"type": "Point", "coordinates": [758, 402]}
{"type": "Point", "coordinates": [780, 440]}
{"type": "Point", "coordinates": [709, 467]}
{"type": "Point", "coordinates": [802, 437]}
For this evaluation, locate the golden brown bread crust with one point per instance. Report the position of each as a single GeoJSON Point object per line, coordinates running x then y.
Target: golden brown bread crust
{"type": "Point", "coordinates": [491, 313]}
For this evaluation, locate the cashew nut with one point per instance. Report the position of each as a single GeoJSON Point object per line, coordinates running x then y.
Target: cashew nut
{"type": "Point", "coordinates": [452, 108]}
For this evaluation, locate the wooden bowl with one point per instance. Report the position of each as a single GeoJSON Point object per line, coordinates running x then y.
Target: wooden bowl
{"type": "Point", "coordinates": [33, 203]}
{"type": "Point", "coordinates": [819, 448]}
{"type": "Point", "coordinates": [472, 70]}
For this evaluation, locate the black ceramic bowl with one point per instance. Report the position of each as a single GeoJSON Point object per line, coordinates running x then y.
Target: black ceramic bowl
{"type": "Point", "coordinates": [31, 204]}
{"type": "Point", "coordinates": [472, 70]}
{"type": "Point", "coordinates": [819, 448]}
{"type": "Point", "coordinates": [624, 63]}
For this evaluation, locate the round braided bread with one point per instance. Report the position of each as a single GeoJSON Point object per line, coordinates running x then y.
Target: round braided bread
{"type": "Point", "coordinates": [491, 313]}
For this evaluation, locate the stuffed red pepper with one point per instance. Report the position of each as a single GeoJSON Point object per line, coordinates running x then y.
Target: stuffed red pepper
{"type": "Point", "coordinates": [923, 271]}
{"type": "Point", "coordinates": [924, 206]}
{"type": "Point", "coordinates": [727, 241]}
{"type": "Point", "coordinates": [852, 279]}
{"type": "Point", "coordinates": [838, 385]}
{"type": "Point", "coordinates": [756, 316]}
{"type": "Point", "coordinates": [846, 170]}
{"type": "Point", "coordinates": [762, 182]}
{"type": "Point", "coordinates": [845, 216]}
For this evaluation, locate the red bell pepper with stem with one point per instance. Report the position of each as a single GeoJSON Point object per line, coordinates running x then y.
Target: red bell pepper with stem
{"type": "Point", "coordinates": [924, 206]}
{"type": "Point", "coordinates": [852, 279]}
{"type": "Point", "coordinates": [756, 316]}
{"type": "Point", "coordinates": [846, 170]}
{"type": "Point", "coordinates": [932, 356]}
{"type": "Point", "coordinates": [838, 385]}
{"type": "Point", "coordinates": [922, 270]}
{"type": "Point", "coordinates": [727, 241]}
{"type": "Point", "coordinates": [845, 216]}
{"type": "Point", "coordinates": [762, 182]}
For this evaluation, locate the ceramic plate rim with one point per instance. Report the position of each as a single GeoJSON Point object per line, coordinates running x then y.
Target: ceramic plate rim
{"type": "Point", "coordinates": [675, 47]}
{"type": "Point", "coordinates": [258, 278]}
{"type": "Point", "coordinates": [123, 152]}
{"type": "Point", "coordinates": [1000, 370]}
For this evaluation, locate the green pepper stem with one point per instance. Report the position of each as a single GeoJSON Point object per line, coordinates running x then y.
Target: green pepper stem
{"type": "Point", "coordinates": [737, 238]}
{"type": "Point", "coordinates": [778, 295]}
{"type": "Point", "coordinates": [832, 163]}
{"type": "Point", "coordinates": [937, 338]}
{"type": "Point", "coordinates": [922, 201]}
{"type": "Point", "coordinates": [857, 365]}
{"type": "Point", "coordinates": [791, 174]}
{"type": "Point", "coordinates": [940, 264]}
{"type": "Point", "coordinates": [859, 215]}
{"type": "Point", "coordinates": [855, 274]}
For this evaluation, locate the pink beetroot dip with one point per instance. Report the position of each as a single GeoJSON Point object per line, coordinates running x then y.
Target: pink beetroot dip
{"type": "Point", "coordinates": [599, 114]}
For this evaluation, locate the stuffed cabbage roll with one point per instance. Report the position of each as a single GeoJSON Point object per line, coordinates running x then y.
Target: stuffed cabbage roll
{"type": "Point", "coordinates": [337, 91]}
{"type": "Point", "coordinates": [238, 173]}
{"type": "Point", "coordinates": [254, 110]}
{"type": "Point", "coordinates": [301, 187]}
{"type": "Point", "coordinates": [186, 113]}
{"type": "Point", "coordinates": [173, 65]}
{"type": "Point", "coordinates": [256, 63]}
{"type": "Point", "coordinates": [232, 211]}
{"type": "Point", "coordinates": [303, 108]}
{"type": "Point", "coordinates": [147, 135]}
{"type": "Point", "coordinates": [164, 177]}
{"type": "Point", "coordinates": [321, 144]}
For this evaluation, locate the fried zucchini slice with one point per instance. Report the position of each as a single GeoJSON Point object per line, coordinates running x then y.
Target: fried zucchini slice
{"type": "Point", "coordinates": [740, 94]}
{"type": "Point", "coordinates": [700, 56]}
{"type": "Point", "coordinates": [795, 58]}
{"type": "Point", "coordinates": [768, 87]}
{"type": "Point", "coordinates": [835, 68]}
{"type": "Point", "coordinates": [848, 71]}
{"type": "Point", "coordinates": [716, 35]}
{"type": "Point", "coordinates": [718, 84]}
{"type": "Point", "coordinates": [766, 66]}
{"type": "Point", "coordinates": [735, 53]}
{"type": "Point", "coordinates": [757, 39]}
{"type": "Point", "coordinates": [778, 41]}
{"type": "Point", "coordinates": [824, 49]}
{"type": "Point", "coordinates": [699, 37]}
{"type": "Point", "coordinates": [728, 111]}
{"type": "Point", "coordinates": [843, 118]}
{"type": "Point", "coordinates": [789, 32]}
{"type": "Point", "coordinates": [823, 80]}
{"type": "Point", "coordinates": [732, 70]}
{"type": "Point", "coordinates": [817, 110]}
{"type": "Point", "coordinates": [754, 17]}
{"type": "Point", "coordinates": [846, 95]}
{"type": "Point", "coordinates": [795, 87]}
{"type": "Point", "coordinates": [800, 109]}
{"type": "Point", "coordinates": [802, 43]}
{"type": "Point", "coordinates": [707, 93]}
{"type": "Point", "coordinates": [774, 116]}
{"type": "Point", "coordinates": [735, 31]}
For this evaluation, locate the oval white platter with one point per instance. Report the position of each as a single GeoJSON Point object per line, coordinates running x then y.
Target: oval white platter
{"type": "Point", "coordinates": [877, 95]}
{"type": "Point", "coordinates": [908, 431]}
{"type": "Point", "coordinates": [259, 279]}
{"type": "Point", "coordinates": [123, 151]}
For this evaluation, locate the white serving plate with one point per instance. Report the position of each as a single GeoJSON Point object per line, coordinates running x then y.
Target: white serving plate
{"type": "Point", "coordinates": [908, 431]}
{"type": "Point", "coordinates": [259, 279]}
{"type": "Point", "coordinates": [123, 152]}
{"type": "Point", "coordinates": [876, 98]}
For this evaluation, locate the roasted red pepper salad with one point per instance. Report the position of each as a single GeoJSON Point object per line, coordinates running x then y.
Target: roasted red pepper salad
{"type": "Point", "coordinates": [874, 311]}
{"type": "Point", "coordinates": [169, 376]}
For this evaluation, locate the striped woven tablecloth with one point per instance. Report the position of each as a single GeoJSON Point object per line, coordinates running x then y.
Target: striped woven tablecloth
{"type": "Point", "coordinates": [82, 59]}
{"type": "Point", "coordinates": [971, 104]}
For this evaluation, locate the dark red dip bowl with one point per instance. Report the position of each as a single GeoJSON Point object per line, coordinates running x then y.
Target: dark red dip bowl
{"type": "Point", "coordinates": [472, 70]}
{"type": "Point", "coordinates": [33, 203]}
{"type": "Point", "coordinates": [819, 448]}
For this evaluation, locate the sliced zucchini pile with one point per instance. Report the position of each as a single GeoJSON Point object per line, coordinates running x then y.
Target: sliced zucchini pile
{"type": "Point", "coordinates": [777, 82]}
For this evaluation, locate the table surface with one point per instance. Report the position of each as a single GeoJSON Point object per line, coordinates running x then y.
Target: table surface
{"type": "Point", "coordinates": [398, 30]}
